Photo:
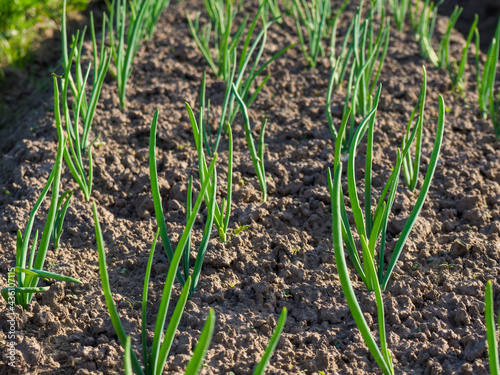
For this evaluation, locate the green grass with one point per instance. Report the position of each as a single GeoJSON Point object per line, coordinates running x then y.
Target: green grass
{"type": "Point", "coordinates": [20, 24]}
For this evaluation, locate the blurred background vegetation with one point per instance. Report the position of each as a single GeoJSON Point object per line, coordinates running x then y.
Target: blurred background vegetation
{"type": "Point", "coordinates": [23, 21]}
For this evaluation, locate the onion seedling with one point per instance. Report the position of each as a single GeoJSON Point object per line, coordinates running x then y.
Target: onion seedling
{"type": "Point", "coordinates": [399, 10]}
{"type": "Point", "coordinates": [368, 58]}
{"type": "Point", "coordinates": [444, 45]}
{"type": "Point", "coordinates": [491, 330]}
{"type": "Point", "coordinates": [457, 72]}
{"type": "Point", "coordinates": [62, 208]}
{"type": "Point", "coordinates": [257, 154]}
{"type": "Point", "coordinates": [382, 355]}
{"type": "Point", "coordinates": [271, 7]}
{"type": "Point", "coordinates": [339, 63]}
{"type": "Point", "coordinates": [77, 83]}
{"type": "Point", "coordinates": [261, 367]}
{"type": "Point", "coordinates": [221, 20]}
{"type": "Point", "coordinates": [209, 178]}
{"type": "Point", "coordinates": [154, 358]}
{"type": "Point", "coordinates": [372, 225]}
{"type": "Point", "coordinates": [412, 170]}
{"type": "Point", "coordinates": [423, 23]}
{"type": "Point", "coordinates": [78, 143]}
{"type": "Point", "coordinates": [221, 214]}
{"type": "Point", "coordinates": [123, 57]}
{"type": "Point", "coordinates": [29, 271]}
{"type": "Point", "coordinates": [153, 15]}
{"type": "Point", "coordinates": [313, 17]}
{"type": "Point", "coordinates": [486, 81]}
{"type": "Point", "coordinates": [233, 70]}
{"type": "Point", "coordinates": [245, 80]}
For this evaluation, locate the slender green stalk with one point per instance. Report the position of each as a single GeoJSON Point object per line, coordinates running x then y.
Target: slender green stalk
{"type": "Point", "coordinates": [124, 46]}
{"type": "Point", "coordinates": [457, 73]}
{"type": "Point", "coordinates": [372, 225]}
{"type": "Point", "coordinates": [491, 330]}
{"type": "Point", "coordinates": [79, 130]}
{"type": "Point", "coordinates": [153, 15]}
{"type": "Point", "coordinates": [257, 154]}
{"type": "Point", "coordinates": [261, 367]}
{"type": "Point", "coordinates": [271, 8]}
{"type": "Point", "coordinates": [431, 168]}
{"type": "Point", "coordinates": [339, 63]}
{"type": "Point", "coordinates": [368, 54]}
{"type": "Point", "coordinates": [154, 359]}
{"type": "Point", "coordinates": [423, 22]}
{"type": "Point", "coordinates": [486, 81]}
{"type": "Point", "coordinates": [235, 63]}
{"type": "Point", "coordinates": [221, 16]}
{"type": "Point", "coordinates": [62, 208]}
{"type": "Point", "coordinates": [382, 356]}
{"type": "Point", "coordinates": [200, 351]}
{"type": "Point", "coordinates": [412, 170]}
{"type": "Point", "coordinates": [399, 11]}
{"type": "Point", "coordinates": [221, 214]}
{"type": "Point", "coordinates": [210, 180]}
{"type": "Point", "coordinates": [313, 17]}
{"type": "Point", "coordinates": [444, 45]}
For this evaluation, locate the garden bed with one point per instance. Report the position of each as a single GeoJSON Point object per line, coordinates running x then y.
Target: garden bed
{"type": "Point", "coordinates": [435, 301]}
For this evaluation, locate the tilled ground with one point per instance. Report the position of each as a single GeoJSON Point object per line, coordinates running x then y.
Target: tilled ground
{"type": "Point", "coordinates": [434, 304]}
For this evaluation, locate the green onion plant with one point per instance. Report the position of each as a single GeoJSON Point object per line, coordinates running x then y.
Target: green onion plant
{"type": "Point", "coordinates": [222, 214]}
{"type": "Point", "coordinates": [423, 22]}
{"type": "Point", "coordinates": [339, 62]}
{"type": "Point", "coordinates": [457, 72]}
{"type": "Point", "coordinates": [78, 144]}
{"type": "Point", "coordinates": [491, 330]}
{"type": "Point", "coordinates": [153, 15]}
{"type": "Point", "coordinates": [154, 357]}
{"type": "Point", "coordinates": [232, 64]}
{"type": "Point", "coordinates": [399, 11]}
{"type": "Point", "coordinates": [381, 355]}
{"type": "Point", "coordinates": [124, 46]}
{"type": "Point", "coordinates": [444, 45]}
{"type": "Point", "coordinates": [486, 81]}
{"type": "Point", "coordinates": [256, 154]}
{"type": "Point", "coordinates": [244, 80]}
{"type": "Point", "coordinates": [222, 14]}
{"type": "Point", "coordinates": [242, 74]}
{"type": "Point", "coordinates": [368, 54]}
{"type": "Point", "coordinates": [210, 177]}
{"type": "Point", "coordinates": [312, 16]}
{"type": "Point", "coordinates": [372, 225]}
{"type": "Point", "coordinates": [411, 168]}
{"type": "Point", "coordinates": [271, 8]}
{"type": "Point", "coordinates": [30, 270]}
{"type": "Point", "coordinates": [62, 208]}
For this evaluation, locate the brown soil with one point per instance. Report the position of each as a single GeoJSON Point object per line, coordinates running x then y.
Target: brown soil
{"type": "Point", "coordinates": [434, 304]}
